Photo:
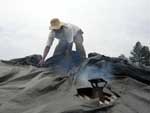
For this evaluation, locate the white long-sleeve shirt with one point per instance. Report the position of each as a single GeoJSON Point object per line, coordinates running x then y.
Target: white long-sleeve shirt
{"type": "Point", "coordinates": [68, 33]}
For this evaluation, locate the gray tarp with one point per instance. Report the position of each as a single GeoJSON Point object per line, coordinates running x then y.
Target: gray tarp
{"type": "Point", "coordinates": [29, 89]}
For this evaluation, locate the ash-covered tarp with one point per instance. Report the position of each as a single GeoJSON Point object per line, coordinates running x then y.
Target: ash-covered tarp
{"type": "Point", "coordinates": [27, 88]}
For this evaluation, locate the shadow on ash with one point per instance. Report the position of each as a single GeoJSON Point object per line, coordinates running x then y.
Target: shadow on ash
{"type": "Point", "coordinates": [64, 84]}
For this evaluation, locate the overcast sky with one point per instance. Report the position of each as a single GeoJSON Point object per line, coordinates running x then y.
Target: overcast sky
{"type": "Point", "coordinates": [111, 27]}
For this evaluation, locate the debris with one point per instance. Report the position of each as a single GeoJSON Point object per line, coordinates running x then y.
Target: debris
{"type": "Point", "coordinates": [96, 91]}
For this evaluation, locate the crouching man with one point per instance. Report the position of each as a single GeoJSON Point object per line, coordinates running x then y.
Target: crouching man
{"type": "Point", "coordinates": [67, 34]}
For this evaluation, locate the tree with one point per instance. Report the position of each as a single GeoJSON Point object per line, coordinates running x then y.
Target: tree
{"type": "Point", "coordinates": [136, 53]}
{"type": "Point", "coordinates": [122, 56]}
{"type": "Point", "coordinates": [145, 56]}
{"type": "Point", "coordinates": [140, 55]}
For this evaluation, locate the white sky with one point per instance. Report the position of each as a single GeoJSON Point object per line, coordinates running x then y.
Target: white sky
{"type": "Point", "coordinates": [111, 27]}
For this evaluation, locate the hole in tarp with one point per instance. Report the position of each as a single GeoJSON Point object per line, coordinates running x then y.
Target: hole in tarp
{"type": "Point", "coordinates": [92, 93]}
{"type": "Point", "coordinates": [102, 97]}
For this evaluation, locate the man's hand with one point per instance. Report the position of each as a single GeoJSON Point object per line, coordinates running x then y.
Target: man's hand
{"type": "Point", "coordinates": [46, 50]}
{"type": "Point", "coordinates": [41, 62]}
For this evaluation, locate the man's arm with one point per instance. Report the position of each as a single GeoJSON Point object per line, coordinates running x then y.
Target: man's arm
{"type": "Point", "coordinates": [46, 50]}
{"type": "Point", "coordinates": [47, 47]}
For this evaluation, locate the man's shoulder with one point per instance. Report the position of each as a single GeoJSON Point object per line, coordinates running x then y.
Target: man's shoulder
{"type": "Point", "coordinates": [52, 33]}
{"type": "Point", "coordinates": [71, 25]}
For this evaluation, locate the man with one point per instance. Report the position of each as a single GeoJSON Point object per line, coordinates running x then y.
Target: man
{"type": "Point", "coordinates": [67, 34]}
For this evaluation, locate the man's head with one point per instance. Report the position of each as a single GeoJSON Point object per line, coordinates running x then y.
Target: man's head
{"type": "Point", "coordinates": [55, 24]}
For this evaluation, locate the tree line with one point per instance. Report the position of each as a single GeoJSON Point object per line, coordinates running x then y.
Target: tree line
{"type": "Point", "coordinates": [140, 55]}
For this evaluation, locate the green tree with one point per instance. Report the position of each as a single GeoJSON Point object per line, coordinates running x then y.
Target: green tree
{"type": "Point", "coordinates": [145, 56]}
{"type": "Point", "coordinates": [140, 55]}
{"type": "Point", "coordinates": [136, 53]}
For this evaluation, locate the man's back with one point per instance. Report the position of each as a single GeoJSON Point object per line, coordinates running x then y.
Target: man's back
{"type": "Point", "coordinates": [67, 32]}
